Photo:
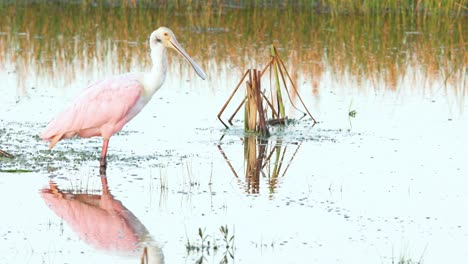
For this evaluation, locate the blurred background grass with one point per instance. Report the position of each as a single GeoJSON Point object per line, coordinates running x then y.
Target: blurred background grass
{"type": "Point", "coordinates": [382, 42]}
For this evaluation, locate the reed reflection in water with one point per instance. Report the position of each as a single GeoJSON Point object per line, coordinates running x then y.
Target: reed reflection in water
{"type": "Point", "coordinates": [263, 159]}
{"type": "Point", "coordinates": [53, 45]}
{"type": "Point", "coordinates": [103, 222]}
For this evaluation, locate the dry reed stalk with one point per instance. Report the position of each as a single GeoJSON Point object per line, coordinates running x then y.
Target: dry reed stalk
{"type": "Point", "coordinates": [255, 115]}
{"type": "Point", "coordinates": [6, 154]}
{"type": "Point", "coordinates": [237, 110]}
{"type": "Point", "coordinates": [262, 125]}
{"type": "Point", "coordinates": [279, 97]}
{"type": "Point", "coordinates": [250, 119]}
{"type": "Point", "coordinates": [230, 98]}
{"type": "Point", "coordinates": [282, 68]}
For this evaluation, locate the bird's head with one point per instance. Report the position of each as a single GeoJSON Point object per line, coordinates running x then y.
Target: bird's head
{"type": "Point", "coordinates": [165, 37]}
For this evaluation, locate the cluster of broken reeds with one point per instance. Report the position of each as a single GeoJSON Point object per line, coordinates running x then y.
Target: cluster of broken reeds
{"type": "Point", "coordinates": [264, 108]}
{"type": "Point", "coordinates": [261, 104]}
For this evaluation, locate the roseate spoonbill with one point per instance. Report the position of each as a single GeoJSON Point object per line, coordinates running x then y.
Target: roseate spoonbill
{"type": "Point", "coordinates": [104, 107]}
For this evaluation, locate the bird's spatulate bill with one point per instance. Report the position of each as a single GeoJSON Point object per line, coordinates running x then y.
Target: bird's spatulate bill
{"type": "Point", "coordinates": [176, 46]}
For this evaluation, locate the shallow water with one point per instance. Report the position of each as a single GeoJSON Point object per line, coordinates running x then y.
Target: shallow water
{"type": "Point", "coordinates": [385, 185]}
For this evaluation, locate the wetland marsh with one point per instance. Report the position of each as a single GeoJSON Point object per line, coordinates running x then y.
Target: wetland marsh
{"type": "Point", "coordinates": [381, 178]}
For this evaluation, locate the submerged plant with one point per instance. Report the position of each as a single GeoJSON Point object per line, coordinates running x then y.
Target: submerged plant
{"type": "Point", "coordinates": [403, 260]}
{"type": "Point", "coordinates": [198, 246]}
{"type": "Point", "coordinates": [202, 245]}
{"type": "Point", "coordinates": [407, 260]}
{"type": "Point", "coordinates": [228, 240]}
{"type": "Point", "coordinates": [351, 113]}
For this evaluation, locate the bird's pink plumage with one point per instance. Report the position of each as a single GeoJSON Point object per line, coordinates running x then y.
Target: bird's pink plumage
{"type": "Point", "coordinates": [102, 109]}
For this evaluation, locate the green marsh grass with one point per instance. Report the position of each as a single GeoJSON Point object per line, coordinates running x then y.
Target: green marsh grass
{"type": "Point", "coordinates": [418, 7]}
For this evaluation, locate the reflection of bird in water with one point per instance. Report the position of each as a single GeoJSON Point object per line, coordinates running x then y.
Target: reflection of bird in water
{"type": "Point", "coordinates": [103, 222]}
{"type": "Point", "coordinates": [106, 106]}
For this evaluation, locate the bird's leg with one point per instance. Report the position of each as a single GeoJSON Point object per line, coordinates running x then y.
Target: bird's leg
{"type": "Point", "coordinates": [102, 160]}
{"type": "Point", "coordinates": [102, 171]}
{"type": "Point", "coordinates": [105, 186]}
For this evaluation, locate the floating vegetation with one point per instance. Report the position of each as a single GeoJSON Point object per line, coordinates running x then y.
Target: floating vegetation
{"type": "Point", "coordinates": [256, 99]}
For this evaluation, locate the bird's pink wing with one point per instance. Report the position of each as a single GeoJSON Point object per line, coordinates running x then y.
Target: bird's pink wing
{"type": "Point", "coordinates": [103, 105]}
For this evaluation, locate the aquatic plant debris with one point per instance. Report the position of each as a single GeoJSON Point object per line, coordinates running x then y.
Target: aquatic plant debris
{"type": "Point", "coordinates": [16, 171]}
{"type": "Point", "coordinates": [6, 154]}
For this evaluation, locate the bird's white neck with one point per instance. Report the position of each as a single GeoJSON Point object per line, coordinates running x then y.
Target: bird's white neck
{"type": "Point", "coordinates": [155, 78]}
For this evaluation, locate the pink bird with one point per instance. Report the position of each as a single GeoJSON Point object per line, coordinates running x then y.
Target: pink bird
{"type": "Point", "coordinates": [106, 106]}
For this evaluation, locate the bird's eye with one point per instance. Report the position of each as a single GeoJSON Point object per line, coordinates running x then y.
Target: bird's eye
{"type": "Point", "coordinates": [165, 34]}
